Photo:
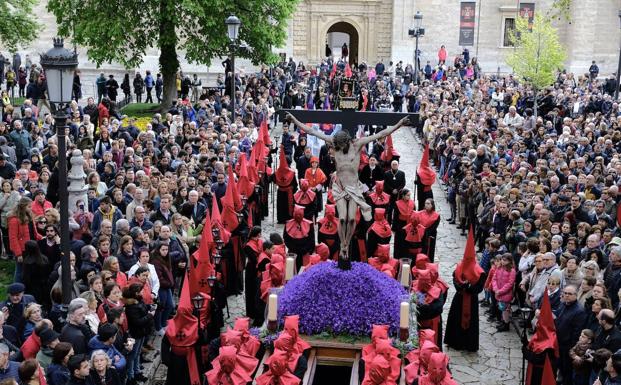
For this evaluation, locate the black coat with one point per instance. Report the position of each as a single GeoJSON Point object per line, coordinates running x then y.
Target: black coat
{"type": "Point", "coordinates": [111, 378]}
{"type": "Point", "coordinates": [369, 177]}
{"type": "Point", "coordinates": [139, 320]}
{"type": "Point", "coordinates": [77, 336]}
{"type": "Point", "coordinates": [569, 323]}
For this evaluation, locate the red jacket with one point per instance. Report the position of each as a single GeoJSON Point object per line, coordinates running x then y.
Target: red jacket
{"type": "Point", "coordinates": [38, 209]}
{"type": "Point", "coordinates": [19, 233]}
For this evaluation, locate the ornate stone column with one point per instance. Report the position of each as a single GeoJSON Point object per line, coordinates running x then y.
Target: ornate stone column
{"type": "Point", "coordinates": [77, 187]}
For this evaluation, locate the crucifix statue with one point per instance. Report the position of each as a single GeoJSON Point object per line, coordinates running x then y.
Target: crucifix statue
{"type": "Point", "coordinates": [346, 187]}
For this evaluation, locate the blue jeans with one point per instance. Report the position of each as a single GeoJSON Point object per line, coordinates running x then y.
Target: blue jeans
{"type": "Point", "coordinates": [164, 308]}
{"type": "Point", "coordinates": [19, 267]}
{"type": "Point", "coordinates": [133, 359]}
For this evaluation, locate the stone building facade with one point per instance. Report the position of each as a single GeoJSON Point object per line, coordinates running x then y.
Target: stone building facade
{"type": "Point", "coordinates": [381, 26]}
{"type": "Point", "coordinates": [378, 30]}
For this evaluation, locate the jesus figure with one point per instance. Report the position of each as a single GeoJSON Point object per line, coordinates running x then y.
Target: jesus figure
{"type": "Point", "coordinates": [346, 187]}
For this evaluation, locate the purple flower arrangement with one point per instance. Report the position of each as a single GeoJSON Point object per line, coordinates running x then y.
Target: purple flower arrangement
{"type": "Point", "coordinates": [339, 302]}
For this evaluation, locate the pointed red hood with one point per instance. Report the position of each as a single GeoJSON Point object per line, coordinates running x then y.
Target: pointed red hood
{"type": "Point", "coordinates": [389, 150]}
{"type": "Point", "coordinates": [250, 344]}
{"type": "Point", "coordinates": [229, 214]}
{"type": "Point", "coordinates": [201, 267]}
{"type": "Point", "coordinates": [379, 197]}
{"type": "Point", "coordinates": [380, 225]}
{"type": "Point", "coordinates": [329, 223]}
{"type": "Point", "coordinates": [244, 185]}
{"type": "Point", "coordinates": [298, 227]}
{"type": "Point", "coordinates": [304, 196]}
{"type": "Point", "coordinates": [226, 370]}
{"type": "Point", "coordinates": [278, 372]}
{"type": "Point", "coordinates": [264, 133]}
{"type": "Point", "coordinates": [284, 174]}
{"type": "Point", "coordinates": [468, 270]}
{"type": "Point", "coordinates": [378, 332]}
{"type": "Point", "coordinates": [348, 73]}
{"type": "Point", "coordinates": [236, 198]}
{"type": "Point", "coordinates": [425, 174]}
{"type": "Point", "coordinates": [216, 220]}
{"type": "Point", "coordinates": [292, 323]}
{"type": "Point", "coordinates": [437, 371]}
{"type": "Point", "coordinates": [545, 333]}
{"type": "Point", "coordinates": [182, 331]}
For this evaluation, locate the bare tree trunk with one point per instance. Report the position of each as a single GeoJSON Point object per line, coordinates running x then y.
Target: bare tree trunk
{"type": "Point", "coordinates": [169, 62]}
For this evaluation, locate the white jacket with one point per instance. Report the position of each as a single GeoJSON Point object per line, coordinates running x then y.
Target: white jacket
{"type": "Point", "coordinates": [155, 281]}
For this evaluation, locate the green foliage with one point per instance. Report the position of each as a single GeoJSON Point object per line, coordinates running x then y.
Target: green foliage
{"type": "Point", "coordinates": [17, 24]}
{"type": "Point", "coordinates": [139, 110]}
{"type": "Point", "coordinates": [7, 270]}
{"type": "Point", "coordinates": [560, 9]}
{"type": "Point", "coordinates": [124, 30]}
{"type": "Point", "coordinates": [539, 54]}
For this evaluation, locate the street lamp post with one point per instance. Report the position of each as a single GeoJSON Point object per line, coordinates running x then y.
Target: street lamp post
{"type": "Point", "coordinates": [416, 32]}
{"type": "Point", "coordinates": [618, 66]}
{"type": "Point", "coordinates": [59, 65]}
{"type": "Point", "coordinates": [233, 23]}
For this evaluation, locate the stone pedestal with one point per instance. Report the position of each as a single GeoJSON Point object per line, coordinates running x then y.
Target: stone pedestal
{"type": "Point", "coordinates": [77, 187]}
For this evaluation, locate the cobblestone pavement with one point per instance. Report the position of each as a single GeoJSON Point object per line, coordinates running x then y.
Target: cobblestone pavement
{"type": "Point", "coordinates": [499, 358]}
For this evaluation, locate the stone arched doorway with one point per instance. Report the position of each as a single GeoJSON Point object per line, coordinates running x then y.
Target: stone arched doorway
{"type": "Point", "coordinates": [343, 32]}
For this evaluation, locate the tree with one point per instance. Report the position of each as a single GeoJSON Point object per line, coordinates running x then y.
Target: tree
{"type": "Point", "coordinates": [539, 54]}
{"type": "Point", "coordinates": [17, 25]}
{"type": "Point", "coordinates": [123, 30]}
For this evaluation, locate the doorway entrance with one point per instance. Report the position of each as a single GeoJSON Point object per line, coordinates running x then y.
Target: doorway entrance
{"type": "Point", "coordinates": [343, 33]}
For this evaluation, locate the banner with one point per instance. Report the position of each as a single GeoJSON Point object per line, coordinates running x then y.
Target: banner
{"type": "Point", "coordinates": [527, 10]}
{"type": "Point", "coordinates": [466, 23]}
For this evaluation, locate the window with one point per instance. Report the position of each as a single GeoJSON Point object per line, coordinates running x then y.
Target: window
{"type": "Point", "coordinates": [509, 27]}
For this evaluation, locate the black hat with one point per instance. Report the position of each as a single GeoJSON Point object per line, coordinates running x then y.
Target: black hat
{"type": "Point", "coordinates": [106, 331]}
{"type": "Point", "coordinates": [16, 288]}
{"type": "Point", "coordinates": [47, 336]}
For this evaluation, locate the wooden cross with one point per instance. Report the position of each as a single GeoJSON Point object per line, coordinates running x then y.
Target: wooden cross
{"type": "Point", "coordinates": [349, 119]}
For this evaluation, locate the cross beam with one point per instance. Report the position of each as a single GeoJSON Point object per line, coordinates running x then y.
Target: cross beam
{"type": "Point", "coordinates": [349, 119]}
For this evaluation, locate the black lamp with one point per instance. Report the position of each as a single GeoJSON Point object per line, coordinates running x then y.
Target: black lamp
{"type": "Point", "coordinates": [198, 301]}
{"type": "Point", "coordinates": [59, 65]}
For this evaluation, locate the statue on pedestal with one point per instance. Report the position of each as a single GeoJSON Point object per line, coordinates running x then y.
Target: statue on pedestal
{"type": "Point", "coordinates": [346, 187]}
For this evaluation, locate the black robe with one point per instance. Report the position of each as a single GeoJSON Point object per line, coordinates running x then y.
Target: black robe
{"type": "Point", "coordinates": [421, 194]}
{"type": "Point", "coordinates": [331, 240]}
{"type": "Point", "coordinates": [401, 246]}
{"type": "Point", "coordinates": [358, 244]}
{"type": "Point", "coordinates": [250, 281]}
{"type": "Point", "coordinates": [431, 313]}
{"type": "Point", "coordinates": [536, 361]}
{"type": "Point", "coordinates": [300, 246]}
{"type": "Point", "coordinates": [284, 206]}
{"type": "Point", "coordinates": [457, 337]}
{"type": "Point", "coordinates": [373, 240]}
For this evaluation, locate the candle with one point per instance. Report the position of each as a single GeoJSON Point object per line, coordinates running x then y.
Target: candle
{"type": "Point", "coordinates": [272, 309]}
{"type": "Point", "coordinates": [404, 318]}
{"type": "Point", "coordinates": [290, 265]}
{"type": "Point", "coordinates": [405, 275]}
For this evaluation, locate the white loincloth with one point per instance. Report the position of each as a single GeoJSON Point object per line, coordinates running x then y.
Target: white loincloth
{"type": "Point", "coordinates": [353, 193]}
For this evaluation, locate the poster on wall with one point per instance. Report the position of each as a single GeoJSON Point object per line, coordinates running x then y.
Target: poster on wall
{"type": "Point", "coordinates": [466, 23]}
{"type": "Point", "coordinates": [527, 10]}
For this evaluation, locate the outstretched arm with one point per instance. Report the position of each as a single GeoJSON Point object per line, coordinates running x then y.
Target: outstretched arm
{"type": "Point", "coordinates": [309, 130]}
{"type": "Point", "coordinates": [368, 139]}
